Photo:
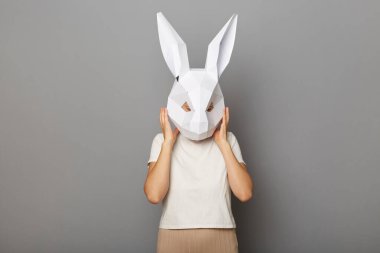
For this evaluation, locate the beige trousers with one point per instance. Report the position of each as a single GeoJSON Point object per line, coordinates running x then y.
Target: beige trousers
{"type": "Point", "coordinates": [198, 240]}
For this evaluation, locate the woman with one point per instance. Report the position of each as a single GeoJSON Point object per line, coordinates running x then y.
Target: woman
{"type": "Point", "coordinates": [193, 179]}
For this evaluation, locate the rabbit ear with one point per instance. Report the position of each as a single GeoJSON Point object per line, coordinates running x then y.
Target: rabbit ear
{"type": "Point", "coordinates": [220, 48]}
{"type": "Point", "coordinates": [172, 46]}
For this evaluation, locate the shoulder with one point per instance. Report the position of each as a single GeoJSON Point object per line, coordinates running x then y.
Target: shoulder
{"type": "Point", "coordinates": [231, 137]}
{"type": "Point", "coordinates": [159, 137]}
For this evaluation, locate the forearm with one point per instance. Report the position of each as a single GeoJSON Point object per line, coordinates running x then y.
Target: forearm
{"type": "Point", "coordinates": [158, 178]}
{"type": "Point", "coordinates": [238, 176]}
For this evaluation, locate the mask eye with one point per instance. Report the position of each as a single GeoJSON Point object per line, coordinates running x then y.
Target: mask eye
{"type": "Point", "coordinates": [210, 107]}
{"type": "Point", "coordinates": [186, 107]}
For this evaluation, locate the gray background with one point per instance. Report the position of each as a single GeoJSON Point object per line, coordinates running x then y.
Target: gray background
{"type": "Point", "coordinates": [81, 84]}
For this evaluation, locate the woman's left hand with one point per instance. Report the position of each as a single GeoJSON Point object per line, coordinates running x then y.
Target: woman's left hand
{"type": "Point", "coordinates": [220, 135]}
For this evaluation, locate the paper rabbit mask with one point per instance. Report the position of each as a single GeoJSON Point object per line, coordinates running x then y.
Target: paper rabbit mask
{"type": "Point", "coordinates": [195, 103]}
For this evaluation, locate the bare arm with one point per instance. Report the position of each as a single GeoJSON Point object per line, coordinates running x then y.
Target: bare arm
{"type": "Point", "coordinates": [157, 181]}
{"type": "Point", "coordinates": [239, 179]}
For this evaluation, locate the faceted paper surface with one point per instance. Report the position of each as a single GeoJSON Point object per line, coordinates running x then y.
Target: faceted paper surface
{"type": "Point", "coordinates": [199, 88]}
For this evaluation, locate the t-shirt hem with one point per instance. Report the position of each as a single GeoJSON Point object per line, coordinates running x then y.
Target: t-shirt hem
{"type": "Point", "coordinates": [165, 226]}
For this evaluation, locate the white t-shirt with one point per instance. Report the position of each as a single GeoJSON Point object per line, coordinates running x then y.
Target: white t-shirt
{"type": "Point", "coordinates": [199, 195]}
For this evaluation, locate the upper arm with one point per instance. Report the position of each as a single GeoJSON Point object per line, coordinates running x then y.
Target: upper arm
{"type": "Point", "coordinates": [155, 148]}
{"type": "Point", "coordinates": [235, 147]}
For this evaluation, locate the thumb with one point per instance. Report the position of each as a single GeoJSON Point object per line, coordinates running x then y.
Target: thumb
{"type": "Point", "coordinates": [176, 132]}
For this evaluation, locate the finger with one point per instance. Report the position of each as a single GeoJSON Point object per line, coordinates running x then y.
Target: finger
{"type": "Point", "coordinates": [166, 115]}
{"type": "Point", "coordinates": [223, 128]}
{"type": "Point", "coordinates": [176, 132]}
{"type": "Point", "coordinates": [224, 125]}
{"type": "Point", "coordinates": [219, 124]}
{"type": "Point", "coordinates": [161, 121]}
{"type": "Point", "coordinates": [224, 117]}
{"type": "Point", "coordinates": [228, 115]}
{"type": "Point", "coordinates": [166, 118]}
{"type": "Point", "coordinates": [160, 118]}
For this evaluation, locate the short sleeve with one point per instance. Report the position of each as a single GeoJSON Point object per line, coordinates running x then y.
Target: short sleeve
{"type": "Point", "coordinates": [235, 147]}
{"type": "Point", "coordinates": [155, 148]}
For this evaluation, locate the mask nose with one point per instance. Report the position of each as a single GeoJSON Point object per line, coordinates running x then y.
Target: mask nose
{"type": "Point", "coordinates": [199, 122]}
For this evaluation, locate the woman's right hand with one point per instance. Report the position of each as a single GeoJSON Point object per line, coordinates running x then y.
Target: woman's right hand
{"type": "Point", "coordinates": [169, 135]}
